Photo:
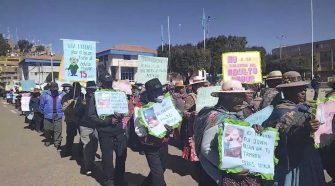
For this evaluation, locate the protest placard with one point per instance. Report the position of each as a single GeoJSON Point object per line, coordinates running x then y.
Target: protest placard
{"type": "Point", "coordinates": [204, 98]}
{"type": "Point", "coordinates": [324, 113]}
{"type": "Point", "coordinates": [154, 116]}
{"type": "Point", "coordinates": [242, 66]}
{"type": "Point", "coordinates": [109, 102]}
{"type": "Point", "coordinates": [27, 85]}
{"type": "Point", "coordinates": [240, 147]}
{"type": "Point", "coordinates": [79, 60]}
{"type": "Point", "coordinates": [122, 85]}
{"type": "Point", "coordinates": [152, 67]}
{"type": "Point", "coordinates": [25, 99]}
{"type": "Point", "coordinates": [260, 116]}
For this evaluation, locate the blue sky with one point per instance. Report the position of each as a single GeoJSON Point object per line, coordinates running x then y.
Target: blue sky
{"type": "Point", "coordinates": [138, 22]}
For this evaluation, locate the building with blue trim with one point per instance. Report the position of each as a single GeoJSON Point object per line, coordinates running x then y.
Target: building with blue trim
{"type": "Point", "coordinates": [121, 60]}
{"type": "Point", "coordinates": [38, 68]}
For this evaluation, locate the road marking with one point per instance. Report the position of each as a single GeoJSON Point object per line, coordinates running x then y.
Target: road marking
{"type": "Point", "coordinates": [13, 111]}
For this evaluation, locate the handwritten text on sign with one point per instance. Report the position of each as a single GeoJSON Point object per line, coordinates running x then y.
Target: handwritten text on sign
{"type": "Point", "coordinates": [79, 60]}
{"type": "Point", "coordinates": [157, 115]}
{"type": "Point", "coordinates": [109, 102]}
{"type": "Point", "coordinates": [242, 66]}
{"type": "Point", "coordinates": [152, 67]}
{"type": "Point", "coordinates": [243, 148]}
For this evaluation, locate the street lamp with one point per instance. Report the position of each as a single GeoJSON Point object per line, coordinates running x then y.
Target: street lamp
{"type": "Point", "coordinates": [52, 66]}
{"type": "Point", "coordinates": [281, 37]}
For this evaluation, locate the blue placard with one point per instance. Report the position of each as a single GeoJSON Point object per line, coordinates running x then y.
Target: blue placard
{"type": "Point", "coordinates": [27, 85]}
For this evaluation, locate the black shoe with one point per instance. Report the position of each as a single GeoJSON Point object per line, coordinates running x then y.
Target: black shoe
{"type": "Point", "coordinates": [108, 183]}
{"type": "Point", "coordinates": [141, 152]}
{"type": "Point", "coordinates": [47, 144]}
{"type": "Point", "coordinates": [58, 148]}
{"type": "Point", "coordinates": [121, 183]}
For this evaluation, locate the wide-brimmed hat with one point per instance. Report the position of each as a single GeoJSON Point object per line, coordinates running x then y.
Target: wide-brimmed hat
{"type": "Point", "coordinates": [274, 75]}
{"type": "Point", "coordinates": [179, 84]}
{"type": "Point", "coordinates": [292, 79]}
{"type": "Point", "coordinates": [196, 80]}
{"type": "Point", "coordinates": [91, 85]}
{"type": "Point", "coordinates": [231, 87]}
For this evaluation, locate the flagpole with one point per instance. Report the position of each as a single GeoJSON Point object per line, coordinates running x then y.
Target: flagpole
{"type": "Point", "coordinates": [312, 21]}
{"type": "Point", "coordinates": [168, 19]}
{"type": "Point", "coordinates": [162, 39]}
{"type": "Point", "coordinates": [204, 27]}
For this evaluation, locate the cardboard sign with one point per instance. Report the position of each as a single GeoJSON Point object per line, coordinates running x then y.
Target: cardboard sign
{"type": "Point", "coordinates": [25, 99]}
{"type": "Point", "coordinates": [79, 60]}
{"type": "Point", "coordinates": [240, 147]}
{"type": "Point", "coordinates": [123, 86]}
{"type": "Point", "coordinates": [109, 102]}
{"type": "Point", "coordinates": [204, 98]}
{"type": "Point", "coordinates": [152, 67]}
{"type": "Point", "coordinates": [242, 66]}
{"type": "Point", "coordinates": [325, 114]}
{"type": "Point", "coordinates": [27, 85]}
{"type": "Point", "coordinates": [154, 116]}
{"type": "Point", "coordinates": [260, 116]}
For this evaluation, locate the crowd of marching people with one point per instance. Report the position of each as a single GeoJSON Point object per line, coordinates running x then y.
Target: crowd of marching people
{"type": "Point", "coordinates": [300, 162]}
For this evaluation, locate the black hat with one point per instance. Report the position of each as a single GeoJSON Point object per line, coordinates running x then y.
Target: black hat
{"type": "Point", "coordinates": [53, 86]}
{"type": "Point", "coordinates": [153, 85]}
{"type": "Point", "coordinates": [66, 85]}
{"type": "Point", "coordinates": [76, 84]}
{"type": "Point", "coordinates": [91, 84]}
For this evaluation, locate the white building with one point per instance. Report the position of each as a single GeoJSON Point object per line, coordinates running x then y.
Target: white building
{"type": "Point", "coordinates": [121, 60]}
{"type": "Point", "coordinates": [38, 68]}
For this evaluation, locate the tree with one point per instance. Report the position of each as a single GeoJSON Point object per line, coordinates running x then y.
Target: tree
{"type": "Point", "coordinates": [24, 45]}
{"type": "Point", "coordinates": [185, 59]}
{"type": "Point", "coordinates": [40, 48]}
{"type": "Point", "coordinates": [3, 46]}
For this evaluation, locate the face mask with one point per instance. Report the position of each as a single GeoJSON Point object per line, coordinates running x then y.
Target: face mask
{"type": "Point", "coordinates": [159, 99]}
{"type": "Point", "coordinates": [54, 93]}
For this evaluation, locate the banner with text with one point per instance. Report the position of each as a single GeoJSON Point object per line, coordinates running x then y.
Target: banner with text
{"type": "Point", "coordinates": [25, 99]}
{"type": "Point", "coordinates": [152, 67]}
{"type": "Point", "coordinates": [154, 116]}
{"type": "Point", "coordinates": [204, 98]}
{"type": "Point", "coordinates": [79, 60]}
{"type": "Point", "coordinates": [242, 66]}
{"type": "Point", "coordinates": [109, 102]}
{"type": "Point", "coordinates": [240, 147]}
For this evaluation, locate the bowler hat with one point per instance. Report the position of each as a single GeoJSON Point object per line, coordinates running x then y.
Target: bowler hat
{"type": "Point", "coordinates": [153, 85]}
{"type": "Point", "coordinates": [274, 75]}
{"type": "Point", "coordinates": [91, 84]}
{"type": "Point", "coordinates": [292, 79]}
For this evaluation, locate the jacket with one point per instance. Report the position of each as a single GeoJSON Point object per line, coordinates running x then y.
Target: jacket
{"type": "Point", "coordinates": [46, 105]}
{"type": "Point", "coordinates": [72, 107]}
{"type": "Point", "coordinates": [34, 105]}
{"type": "Point", "coordinates": [106, 126]}
{"type": "Point", "coordinates": [86, 120]}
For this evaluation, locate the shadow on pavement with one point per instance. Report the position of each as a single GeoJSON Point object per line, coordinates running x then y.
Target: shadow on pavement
{"type": "Point", "coordinates": [134, 179]}
{"type": "Point", "coordinates": [182, 167]}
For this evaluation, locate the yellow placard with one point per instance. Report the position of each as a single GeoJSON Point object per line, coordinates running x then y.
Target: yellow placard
{"type": "Point", "coordinates": [242, 66]}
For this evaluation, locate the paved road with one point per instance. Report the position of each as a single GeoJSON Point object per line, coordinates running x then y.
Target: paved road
{"type": "Point", "coordinates": [25, 161]}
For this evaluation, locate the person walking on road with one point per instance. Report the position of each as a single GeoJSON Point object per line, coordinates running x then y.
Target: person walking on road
{"type": "Point", "coordinates": [51, 107]}
{"type": "Point", "coordinates": [112, 137]}
{"type": "Point", "coordinates": [71, 108]}
{"type": "Point", "coordinates": [88, 132]}
{"type": "Point", "coordinates": [34, 106]}
{"type": "Point", "coordinates": [315, 83]}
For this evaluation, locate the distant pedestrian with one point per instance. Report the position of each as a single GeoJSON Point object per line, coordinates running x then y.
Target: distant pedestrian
{"type": "Point", "coordinates": [51, 107]}
{"type": "Point", "coordinates": [315, 83]}
{"type": "Point", "coordinates": [34, 107]}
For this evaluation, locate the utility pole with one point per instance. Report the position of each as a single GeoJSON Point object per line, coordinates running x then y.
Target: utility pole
{"type": "Point", "coordinates": [312, 24]}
